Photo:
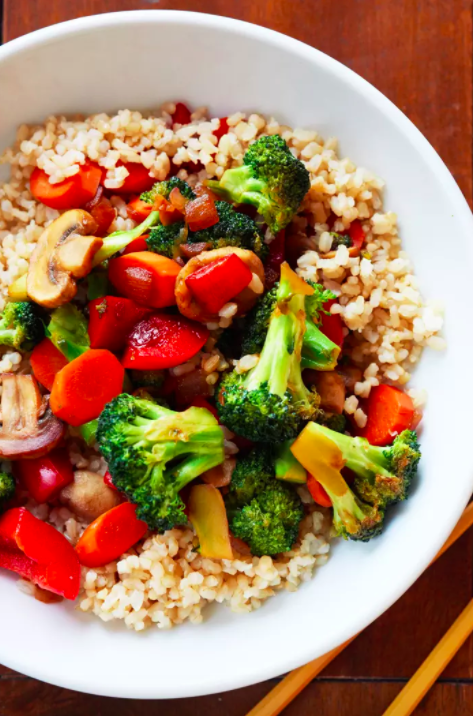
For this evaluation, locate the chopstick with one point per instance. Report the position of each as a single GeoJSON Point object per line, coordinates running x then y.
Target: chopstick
{"type": "Point", "coordinates": [288, 688]}
{"type": "Point", "coordinates": [428, 672]}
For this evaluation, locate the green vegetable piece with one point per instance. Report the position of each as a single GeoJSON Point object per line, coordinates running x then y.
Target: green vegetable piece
{"type": "Point", "coordinates": [286, 466]}
{"type": "Point", "coordinates": [164, 188]}
{"type": "Point", "coordinates": [119, 240]}
{"type": "Point", "coordinates": [67, 329]}
{"type": "Point", "coordinates": [7, 489]}
{"type": "Point", "coordinates": [21, 325]}
{"type": "Point", "coordinates": [88, 432]}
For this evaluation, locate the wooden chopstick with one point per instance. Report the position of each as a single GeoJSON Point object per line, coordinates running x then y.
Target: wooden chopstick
{"type": "Point", "coordinates": [288, 688]}
{"type": "Point", "coordinates": [426, 675]}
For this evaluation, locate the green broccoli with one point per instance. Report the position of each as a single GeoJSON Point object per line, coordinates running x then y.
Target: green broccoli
{"type": "Point", "coordinates": [340, 240]}
{"type": "Point", "coordinates": [318, 351]}
{"type": "Point", "coordinates": [262, 511]}
{"type": "Point", "coordinates": [166, 240]}
{"type": "Point", "coordinates": [270, 403]}
{"type": "Point", "coordinates": [164, 188]}
{"type": "Point", "coordinates": [119, 240]}
{"type": "Point", "coordinates": [233, 229]}
{"type": "Point", "coordinates": [334, 421]}
{"type": "Point", "coordinates": [271, 178]}
{"type": "Point", "coordinates": [67, 329]}
{"type": "Point", "coordinates": [153, 452]}
{"type": "Point", "coordinates": [21, 325]}
{"type": "Point", "coordinates": [352, 518]}
{"type": "Point", "coordinates": [7, 489]}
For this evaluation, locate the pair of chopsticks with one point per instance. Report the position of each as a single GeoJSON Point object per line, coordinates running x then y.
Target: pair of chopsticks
{"type": "Point", "coordinates": [411, 695]}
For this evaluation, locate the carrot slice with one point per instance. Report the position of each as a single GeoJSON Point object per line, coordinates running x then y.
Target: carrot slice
{"type": "Point", "coordinates": [390, 411]}
{"type": "Point", "coordinates": [137, 181]}
{"type": "Point", "coordinates": [84, 386]}
{"type": "Point", "coordinates": [110, 535]}
{"type": "Point", "coordinates": [145, 277]}
{"type": "Point", "coordinates": [46, 360]}
{"type": "Point", "coordinates": [72, 193]}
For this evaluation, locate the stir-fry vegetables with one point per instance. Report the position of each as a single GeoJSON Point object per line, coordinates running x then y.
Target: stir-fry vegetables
{"type": "Point", "coordinates": [46, 360]}
{"type": "Point", "coordinates": [111, 319]}
{"type": "Point", "coordinates": [71, 193]}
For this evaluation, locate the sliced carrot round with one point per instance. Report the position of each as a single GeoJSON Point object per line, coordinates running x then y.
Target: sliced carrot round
{"type": "Point", "coordinates": [72, 193]}
{"type": "Point", "coordinates": [46, 360]}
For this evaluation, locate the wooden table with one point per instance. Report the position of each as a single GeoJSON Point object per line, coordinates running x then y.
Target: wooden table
{"type": "Point", "coordinates": [419, 53]}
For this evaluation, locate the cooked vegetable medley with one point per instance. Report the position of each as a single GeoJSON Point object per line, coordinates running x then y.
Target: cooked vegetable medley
{"type": "Point", "coordinates": [203, 362]}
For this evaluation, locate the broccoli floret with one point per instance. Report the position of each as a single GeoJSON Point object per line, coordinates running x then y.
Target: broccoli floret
{"type": "Point", "coordinates": [7, 488]}
{"type": "Point", "coordinates": [251, 475]}
{"type": "Point", "coordinates": [120, 239]}
{"type": "Point", "coordinates": [164, 188]}
{"type": "Point", "coordinates": [318, 351]}
{"type": "Point", "coordinates": [232, 229]}
{"type": "Point", "coordinates": [271, 178]}
{"type": "Point", "coordinates": [269, 524]}
{"type": "Point", "coordinates": [67, 329]}
{"type": "Point", "coordinates": [334, 421]}
{"type": "Point", "coordinates": [270, 403]}
{"type": "Point", "coordinates": [354, 519]}
{"type": "Point", "coordinates": [165, 240]}
{"type": "Point", "coordinates": [153, 452]}
{"type": "Point", "coordinates": [21, 325]}
{"type": "Point", "coordinates": [340, 240]}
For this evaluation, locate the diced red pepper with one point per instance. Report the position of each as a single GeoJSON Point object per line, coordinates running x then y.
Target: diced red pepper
{"type": "Point", "coordinates": [201, 213]}
{"type": "Point", "coordinates": [47, 360]}
{"type": "Point", "coordinates": [44, 477]}
{"type": "Point", "coordinates": [145, 277]}
{"type": "Point", "coordinates": [318, 493]}
{"type": "Point", "coordinates": [104, 214]}
{"type": "Point", "coordinates": [390, 411]}
{"type": "Point", "coordinates": [111, 319]}
{"type": "Point", "coordinates": [168, 214]}
{"type": "Point", "coordinates": [136, 245]}
{"type": "Point", "coordinates": [138, 210]}
{"type": "Point", "coordinates": [223, 128]}
{"type": "Point", "coordinates": [160, 341]}
{"type": "Point", "coordinates": [217, 283]}
{"type": "Point", "coordinates": [137, 181]}
{"type": "Point", "coordinates": [107, 478]}
{"type": "Point", "coordinates": [277, 254]}
{"type": "Point", "coordinates": [331, 324]}
{"type": "Point", "coordinates": [356, 234]}
{"type": "Point", "coordinates": [38, 552]}
{"type": "Point", "coordinates": [110, 535]}
{"type": "Point", "coordinates": [181, 114]}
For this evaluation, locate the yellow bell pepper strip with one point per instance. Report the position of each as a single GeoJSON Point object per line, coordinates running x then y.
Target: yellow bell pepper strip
{"type": "Point", "coordinates": [209, 518]}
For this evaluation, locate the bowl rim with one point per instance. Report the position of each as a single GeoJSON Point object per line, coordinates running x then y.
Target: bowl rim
{"type": "Point", "coordinates": [281, 663]}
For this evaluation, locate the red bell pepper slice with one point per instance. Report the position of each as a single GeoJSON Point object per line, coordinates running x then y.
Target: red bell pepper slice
{"type": "Point", "coordinates": [217, 283]}
{"type": "Point", "coordinates": [136, 245]}
{"type": "Point", "coordinates": [47, 360]}
{"type": "Point", "coordinates": [356, 234]}
{"type": "Point", "coordinates": [201, 213]}
{"type": "Point", "coordinates": [277, 254]}
{"type": "Point", "coordinates": [137, 181]}
{"type": "Point", "coordinates": [182, 114]}
{"type": "Point", "coordinates": [104, 213]}
{"type": "Point", "coordinates": [107, 478]}
{"type": "Point", "coordinates": [160, 341]}
{"type": "Point", "coordinates": [331, 324]}
{"type": "Point", "coordinates": [145, 277]}
{"type": "Point", "coordinates": [318, 493]}
{"type": "Point", "coordinates": [38, 552]}
{"type": "Point", "coordinates": [390, 411]}
{"type": "Point", "coordinates": [110, 535]}
{"type": "Point", "coordinates": [138, 210]}
{"type": "Point", "coordinates": [44, 477]}
{"type": "Point", "coordinates": [71, 193]}
{"type": "Point", "coordinates": [223, 128]}
{"type": "Point", "coordinates": [111, 318]}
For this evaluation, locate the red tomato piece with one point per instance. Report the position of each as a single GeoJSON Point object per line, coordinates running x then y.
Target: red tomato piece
{"type": "Point", "coordinates": [137, 181]}
{"type": "Point", "coordinates": [181, 114]}
{"type": "Point", "coordinates": [71, 193]}
{"type": "Point", "coordinates": [111, 320]}
{"type": "Point", "coordinates": [390, 411]}
{"type": "Point", "coordinates": [201, 213]}
{"type": "Point", "coordinates": [47, 360]}
{"type": "Point", "coordinates": [223, 128]}
{"type": "Point", "coordinates": [138, 210]}
{"type": "Point", "coordinates": [162, 341]}
{"type": "Point", "coordinates": [318, 493]}
{"type": "Point", "coordinates": [331, 324]}
{"type": "Point", "coordinates": [217, 283]}
{"type": "Point", "coordinates": [38, 552]}
{"type": "Point", "coordinates": [110, 535]}
{"type": "Point", "coordinates": [44, 477]}
{"type": "Point", "coordinates": [145, 277]}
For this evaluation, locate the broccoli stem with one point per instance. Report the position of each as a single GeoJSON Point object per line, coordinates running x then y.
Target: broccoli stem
{"type": "Point", "coordinates": [318, 351]}
{"type": "Point", "coordinates": [120, 239]}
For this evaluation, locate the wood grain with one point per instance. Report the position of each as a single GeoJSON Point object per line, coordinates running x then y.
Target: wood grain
{"type": "Point", "coordinates": [419, 53]}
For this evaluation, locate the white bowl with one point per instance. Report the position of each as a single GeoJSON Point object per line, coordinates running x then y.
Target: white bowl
{"type": "Point", "coordinates": [138, 60]}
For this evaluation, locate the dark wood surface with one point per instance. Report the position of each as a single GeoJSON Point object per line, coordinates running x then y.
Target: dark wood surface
{"type": "Point", "coordinates": [419, 53]}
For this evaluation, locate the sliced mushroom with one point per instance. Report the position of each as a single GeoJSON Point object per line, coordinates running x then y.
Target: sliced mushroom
{"type": "Point", "coordinates": [88, 496]}
{"type": "Point", "coordinates": [29, 428]}
{"type": "Point", "coordinates": [64, 253]}
{"type": "Point", "coordinates": [245, 300]}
